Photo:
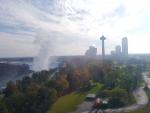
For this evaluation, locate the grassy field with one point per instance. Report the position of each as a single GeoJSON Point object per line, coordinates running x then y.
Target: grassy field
{"type": "Point", "coordinates": [68, 103]}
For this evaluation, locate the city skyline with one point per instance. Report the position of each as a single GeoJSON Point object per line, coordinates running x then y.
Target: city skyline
{"type": "Point", "coordinates": [72, 26]}
{"type": "Point", "coordinates": [119, 50]}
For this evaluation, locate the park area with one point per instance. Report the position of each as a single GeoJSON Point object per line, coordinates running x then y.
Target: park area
{"type": "Point", "coordinates": [69, 103]}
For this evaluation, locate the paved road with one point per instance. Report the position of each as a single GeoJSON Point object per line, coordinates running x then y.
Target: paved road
{"type": "Point", "coordinates": [53, 74]}
{"type": "Point", "coordinates": [84, 107]}
{"type": "Point", "coordinates": [141, 100]}
{"type": "Point", "coordinates": [146, 79]}
{"type": "Point", "coordinates": [139, 94]}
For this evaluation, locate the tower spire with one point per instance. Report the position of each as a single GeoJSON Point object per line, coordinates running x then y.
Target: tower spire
{"type": "Point", "coordinates": [102, 38]}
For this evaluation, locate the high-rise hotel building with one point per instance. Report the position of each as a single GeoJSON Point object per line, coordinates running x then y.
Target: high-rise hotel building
{"type": "Point", "coordinates": [125, 47]}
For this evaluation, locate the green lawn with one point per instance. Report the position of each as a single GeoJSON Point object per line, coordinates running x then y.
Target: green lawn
{"type": "Point", "coordinates": [68, 103]}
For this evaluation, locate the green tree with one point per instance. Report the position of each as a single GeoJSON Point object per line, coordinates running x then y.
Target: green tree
{"type": "Point", "coordinates": [117, 97]}
{"type": "Point", "coordinates": [11, 88]}
{"type": "Point", "coordinates": [41, 77]}
{"type": "Point", "coordinates": [3, 108]}
{"type": "Point", "coordinates": [45, 99]}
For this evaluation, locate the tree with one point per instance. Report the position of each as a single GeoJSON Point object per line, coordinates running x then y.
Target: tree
{"type": "Point", "coordinates": [111, 79]}
{"type": "Point", "coordinates": [32, 101]}
{"type": "Point", "coordinates": [127, 78]}
{"type": "Point", "coordinates": [15, 103]}
{"type": "Point", "coordinates": [63, 82]}
{"type": "Point", "coordinates": [73, 80]}
{"type": "Point", "coordinates": [10, 89]}
{"type": "Point", "coordinates": [96, 71]}
{"type": "Point", "coordinates": [117, 97]}
{"type": "Point", "coordinates": [3, 108]}
{"type": "Point", "coordinates": [25, 83]}
{"type": "Point", "coordinates": [52, 84]}
{"type": "Point", "coordinates": [46, 97]}
{"type": "Point", "coordinates": [41, 77]}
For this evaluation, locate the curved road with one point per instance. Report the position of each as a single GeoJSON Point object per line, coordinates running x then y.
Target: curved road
{"type": "Point", "coordinates": [141, 101]}
{"type": "Point", "coordinates": [139, 94]}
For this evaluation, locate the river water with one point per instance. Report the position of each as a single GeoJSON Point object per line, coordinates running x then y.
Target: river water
{"type": "Point", "coordinates": [4, 80]}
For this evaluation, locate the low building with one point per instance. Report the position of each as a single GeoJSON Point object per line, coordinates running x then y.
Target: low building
{"type": "Point", "coordinates": [92, 51]}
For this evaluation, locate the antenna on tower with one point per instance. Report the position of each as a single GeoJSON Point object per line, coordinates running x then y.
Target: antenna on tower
{"type": "Point", "coordinates": [103, 38]}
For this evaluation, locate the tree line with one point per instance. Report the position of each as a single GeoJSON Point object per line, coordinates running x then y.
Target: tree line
{"type": "Point", "coordinates": [37, 94]}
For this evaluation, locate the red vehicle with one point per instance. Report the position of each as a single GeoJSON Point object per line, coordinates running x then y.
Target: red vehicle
{"type": "Point", "coordinates": [98, 102]}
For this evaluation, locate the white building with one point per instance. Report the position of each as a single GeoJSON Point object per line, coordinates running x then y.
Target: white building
{"type": "Point", "coordinates": [125, 47]}
{"type": "Point", "coordinates": [118, 51]}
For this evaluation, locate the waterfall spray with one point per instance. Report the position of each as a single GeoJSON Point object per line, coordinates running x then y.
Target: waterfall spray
{"type": "Point", "coordinates": [42, 60]}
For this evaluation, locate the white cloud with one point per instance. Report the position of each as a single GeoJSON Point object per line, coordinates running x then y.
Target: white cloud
{"type": "Point", "coordinates": [75, 23]}
{"type": "Point", "coordinates": [12, 45]}
{"type": "Point", "coordinates": [140, 43]}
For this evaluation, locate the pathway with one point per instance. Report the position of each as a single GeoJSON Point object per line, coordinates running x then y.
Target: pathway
{"type": "Point", "coordinates": [139, 94]}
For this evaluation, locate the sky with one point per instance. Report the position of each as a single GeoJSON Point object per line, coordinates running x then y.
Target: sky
{"type": "Point", "coordinates": [71, 26]}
